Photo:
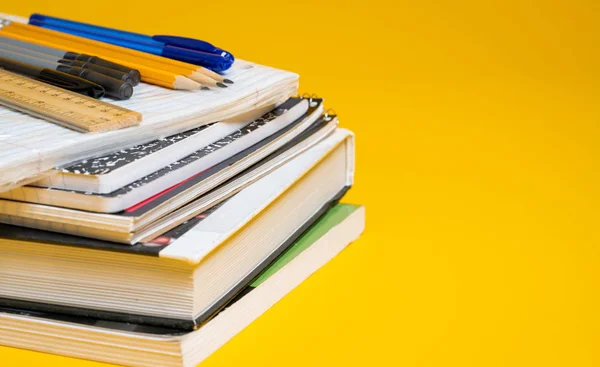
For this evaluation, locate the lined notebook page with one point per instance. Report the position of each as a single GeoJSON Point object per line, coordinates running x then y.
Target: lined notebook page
{"type": "Point", "coordinates": [30, 146]}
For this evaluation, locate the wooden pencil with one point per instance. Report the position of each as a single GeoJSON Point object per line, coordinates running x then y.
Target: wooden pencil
{"type": "Point", "coordinates": [194, 72]}
{"type": "Point", "coordinates": [148, 73]}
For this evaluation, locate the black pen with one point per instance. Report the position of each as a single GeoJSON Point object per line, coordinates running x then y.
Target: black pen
{"type": "Point", "coordinates": [116, 74]}
{"type": "Point", "coordinates": [53, 77]}
{"type": "Point", "coordinates": [57, 54]}
{"type": "Point", "coordinates": [120, 75]}
{"type": "Point", "coordinates": [113, 87]}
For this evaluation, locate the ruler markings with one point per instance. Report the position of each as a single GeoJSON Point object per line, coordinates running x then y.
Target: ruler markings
{"type": "Point", "coordinates": [62, 107]}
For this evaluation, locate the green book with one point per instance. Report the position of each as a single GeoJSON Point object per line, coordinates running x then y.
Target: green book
{"type": "Point", "coordinates": [332, 218]}
{"type": "Point", "coordinates": [338, 217]}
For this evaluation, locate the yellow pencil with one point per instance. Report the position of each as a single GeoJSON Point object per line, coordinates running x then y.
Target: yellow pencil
{"type": "Point", "coordinates": [148, 74]}
{"type": "Point", "coordinates": [202, 75]}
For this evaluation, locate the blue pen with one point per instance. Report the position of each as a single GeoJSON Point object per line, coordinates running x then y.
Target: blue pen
{"type": "Point", "coordinates": [210, 61]}
{"type": "Point", "coordinates": [179, 48]}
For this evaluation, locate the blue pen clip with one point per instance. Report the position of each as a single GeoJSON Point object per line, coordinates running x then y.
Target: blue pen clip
{"type": "Point", "coordinates": [185, 42]}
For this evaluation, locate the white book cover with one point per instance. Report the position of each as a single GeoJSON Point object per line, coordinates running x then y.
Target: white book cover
{"type": "Point", "coordinates": [233, 214]}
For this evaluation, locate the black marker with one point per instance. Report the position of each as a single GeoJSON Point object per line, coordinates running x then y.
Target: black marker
{"type": "Point", "coordinates": [116, 74]}
{"type": "Point", "coordinates": [55, 78]}
{"type": "Point", "coordinates": [113, 87]}
{"type": "Point", "coordinates": [55, 54]}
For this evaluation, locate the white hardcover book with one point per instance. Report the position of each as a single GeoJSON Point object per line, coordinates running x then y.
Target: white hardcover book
{"type": "Point", "coordinates": [146, 346]}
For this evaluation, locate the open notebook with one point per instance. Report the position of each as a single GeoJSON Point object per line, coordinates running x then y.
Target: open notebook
{"type": "Point", "coordinates": [30, 146]}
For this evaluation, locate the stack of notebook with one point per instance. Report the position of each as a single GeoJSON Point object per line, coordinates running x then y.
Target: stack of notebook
{"type": "Point", "coordinates": [155, 244]}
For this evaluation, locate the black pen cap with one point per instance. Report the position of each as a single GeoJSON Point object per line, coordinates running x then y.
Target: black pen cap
{"type": "Point", "coordinates": [55, 78]}
{"type": "Point", "coordinates": [135, 74]}
{"type": "Point", "coordinates": [117, 74]}
{"type": "Point", "coordinates": [113, 87]}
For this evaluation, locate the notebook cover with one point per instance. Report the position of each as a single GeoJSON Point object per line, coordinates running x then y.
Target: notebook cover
{"type": "Point", "coordinates": [168, 193]}
{"type": "Point", "coordinates": [106, 164]}
{"type": "Point", "coordinates": [116, 160]}
{"type": "Point", "coordinates": [140, 210]}
{"type": "Point", "coordinates": [164, 325]}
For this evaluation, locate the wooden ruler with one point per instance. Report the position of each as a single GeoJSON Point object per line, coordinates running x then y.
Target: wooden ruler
{"type": "Point", "coordinates": [62, 107]}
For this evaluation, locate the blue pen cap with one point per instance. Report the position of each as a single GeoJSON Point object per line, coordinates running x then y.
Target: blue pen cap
{"type": "Point", "coordinates": [207, 54]}
{"type": "Point", "coordinates": [217, 62]}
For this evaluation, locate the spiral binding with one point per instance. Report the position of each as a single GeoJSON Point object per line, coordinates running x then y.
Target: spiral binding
{"type": "Point", "coordinates": [311, 99]}
{"type": "Point", "coordinates": [329, 114]}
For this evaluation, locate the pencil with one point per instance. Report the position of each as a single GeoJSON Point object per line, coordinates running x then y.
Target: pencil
{"type": "Point", "coordinates": [194, 72]}
{"type": "Point", "coordinates": [163, 78]}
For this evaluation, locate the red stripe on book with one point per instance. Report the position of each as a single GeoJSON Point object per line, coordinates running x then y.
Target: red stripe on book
{"type": "Point", "coordinates": [152, 198]}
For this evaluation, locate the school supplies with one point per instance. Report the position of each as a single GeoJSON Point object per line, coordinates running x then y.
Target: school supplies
{"type": "Point", "coordinates": [62, 107]}
{"type": "Point", "coordinates": [149, 65]}
{"type": "Point", "coordinates": [113, 87]}
{"type": "Point", "coordinates": [113, 73]}
{"type": "Point", "coordinates": [155, 244]}
{"type": "Point", "coordinates": [153, 75]}
{"type": "Point", "coordinates": [92, 62]}
{"type": "Point", "coordinates": [55, 78]}
{"type": "Point", "coordinates": [179, 48]}
{"type": "Point", "coordinates": [35, 147]}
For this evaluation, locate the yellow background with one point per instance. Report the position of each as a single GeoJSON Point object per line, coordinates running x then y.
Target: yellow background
{"type": "Point", "coordinates": [477, 129]}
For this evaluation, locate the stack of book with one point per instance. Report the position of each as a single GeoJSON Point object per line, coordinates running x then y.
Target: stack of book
{"type": "Point", "coordinates": [154, 245]}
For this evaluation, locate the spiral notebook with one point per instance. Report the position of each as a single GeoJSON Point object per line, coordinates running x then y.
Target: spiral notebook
{"type": "Point", "coordinates": [111, 172]}
{"type": "Point", "coordinates": [120, 167]}
{"type": "Point", "coordinates": [171, 207]}
{"type": "Point", "coordinates": [30, 147]}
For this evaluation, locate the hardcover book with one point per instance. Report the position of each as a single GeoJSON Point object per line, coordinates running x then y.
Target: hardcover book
{"type": "Point", "coordinates": [142, 345]}
{"type": "Point", "coordinates": [182, 277]}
